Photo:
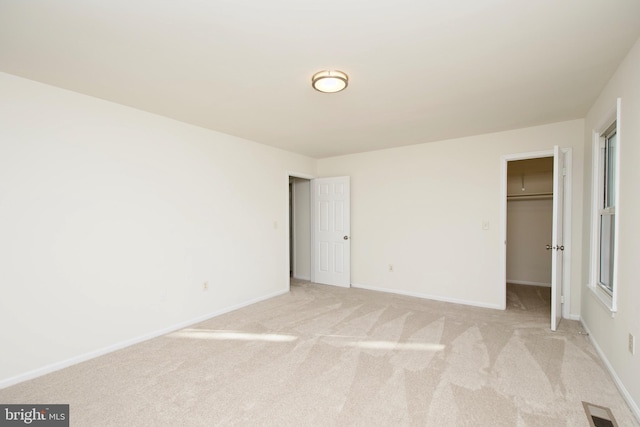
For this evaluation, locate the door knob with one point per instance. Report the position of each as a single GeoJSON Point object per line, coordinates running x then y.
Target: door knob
{"type": "Point", "coordinates": [346, 237]}
{"type": "Point", "coordinates": [548, 247]}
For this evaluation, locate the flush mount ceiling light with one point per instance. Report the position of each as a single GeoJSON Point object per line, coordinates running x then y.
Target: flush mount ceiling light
{"type": "Point", "coordinates": [329, 81]}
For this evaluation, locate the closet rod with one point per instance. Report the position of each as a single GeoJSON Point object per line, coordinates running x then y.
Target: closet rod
{"type": "Point", "coordinates": [531, 196]}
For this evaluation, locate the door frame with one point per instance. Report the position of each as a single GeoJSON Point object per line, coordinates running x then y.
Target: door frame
{"type": "Point", "coordinates": [567, 224]}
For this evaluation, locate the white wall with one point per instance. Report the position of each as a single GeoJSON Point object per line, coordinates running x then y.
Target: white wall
{"type": "Point", "coordinates": [421, 208]}
{"type": "Point", "coordinates": [302, 228]}
{"type": "Point", "coordinates": [111, 219]}
{"type": "Point", "coordinates": [534, 183]}
{"type": "Point", "coordinates": [611, 334]}
{"type": "Point", "coordinates": [529, 226]}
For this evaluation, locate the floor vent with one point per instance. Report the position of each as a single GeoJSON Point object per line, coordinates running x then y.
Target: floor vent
{"type": "Point", "coordinates": [599, 416]}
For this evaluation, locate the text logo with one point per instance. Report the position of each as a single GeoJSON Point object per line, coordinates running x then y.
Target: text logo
{"type": "Point", "coordinates": [34, 415]}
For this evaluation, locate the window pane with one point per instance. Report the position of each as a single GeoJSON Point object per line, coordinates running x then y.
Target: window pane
{"type": "Point", "coordinates": [610, 170]}
{"type": "Point", "coordinates": [607, 225]}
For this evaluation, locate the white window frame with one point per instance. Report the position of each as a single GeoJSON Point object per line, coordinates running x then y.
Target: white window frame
{"type": "Point", "coordinates": [609, 298]}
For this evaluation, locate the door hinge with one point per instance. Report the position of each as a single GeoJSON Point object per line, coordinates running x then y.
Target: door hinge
{"type": "Point", "coordinates": [564, 171]}
{"type": "Point", "coordinates": [562, 299]}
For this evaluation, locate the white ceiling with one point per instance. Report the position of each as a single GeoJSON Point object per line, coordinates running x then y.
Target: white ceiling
{"type": "Point", "coordinates": [420, 71]}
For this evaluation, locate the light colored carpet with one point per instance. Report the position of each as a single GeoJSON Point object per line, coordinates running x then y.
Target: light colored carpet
{"type": "Point", "coordinates": [321, 355]}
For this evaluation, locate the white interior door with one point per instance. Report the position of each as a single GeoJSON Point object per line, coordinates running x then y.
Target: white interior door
{"type": "Point", "coordinates": [557, 242]}
{"type": "Point", "coordinates": [331, 238]}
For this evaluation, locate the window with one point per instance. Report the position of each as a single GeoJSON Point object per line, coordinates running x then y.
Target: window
{"type": "Point", "coordinates": [605, 203]}
{"type": "Point", "coordinates": [607, 209]}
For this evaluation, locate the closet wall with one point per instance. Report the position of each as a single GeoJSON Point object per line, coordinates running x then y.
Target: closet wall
{"type": "Point", "coordinates": [301, 231]}
{"type": "Point", "coordinates": [529, 221]}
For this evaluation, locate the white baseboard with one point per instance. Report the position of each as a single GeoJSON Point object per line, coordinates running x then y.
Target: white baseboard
{"type": "Point", "coordinates": [298, 277]}
{"type": "Point", "coordinates": [528, 283]}
{"type": "Point", "coordinates": [127, 343]}
{"type": "Point", "coordinates": [616, 379]}
{"type": "Point", "coordinates": [572, 317]}
{"type": "Point", "coordinates": [427, 296]}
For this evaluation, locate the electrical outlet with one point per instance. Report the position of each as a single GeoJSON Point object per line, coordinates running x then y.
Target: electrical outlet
{"type": "Point", "coordinates": [391, 268]}
{"type": "Point", "coordinates": [632, 344]}
{"type": "Point", "coordinates": [205, 286]}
